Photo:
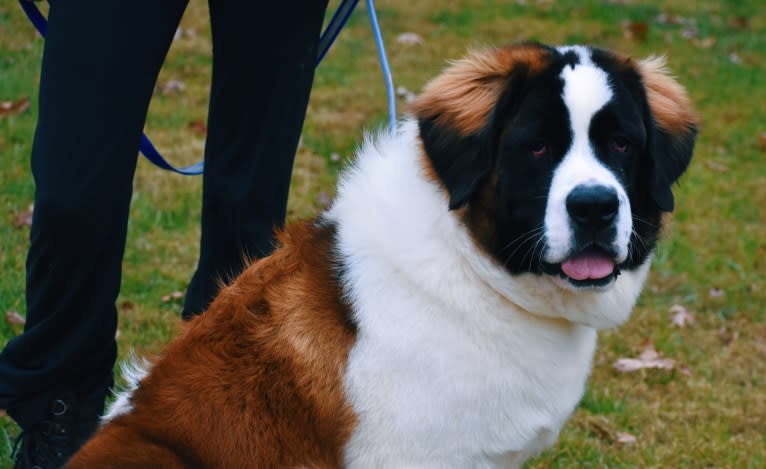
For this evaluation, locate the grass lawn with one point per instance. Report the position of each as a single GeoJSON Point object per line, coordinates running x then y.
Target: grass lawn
{"type": "Point", "coordinates": [708, 411]}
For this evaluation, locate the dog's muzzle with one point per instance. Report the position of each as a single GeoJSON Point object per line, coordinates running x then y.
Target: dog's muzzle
{"type": "Point", "coordinates": [593, 211]}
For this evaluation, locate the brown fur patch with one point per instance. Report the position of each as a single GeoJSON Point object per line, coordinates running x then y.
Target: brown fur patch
{"type": "Point", "coordinates": [256, 381]}
{"type": "Point", "coordinates": [428, 168]}
{"type": "Point", "coordinates": [464, 94]}
{"type": "Point", "coordinates": [668, 100]}
{"type": "Point", "coordinates": [480, 217]}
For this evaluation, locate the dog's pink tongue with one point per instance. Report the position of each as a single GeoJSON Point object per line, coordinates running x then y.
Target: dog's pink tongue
{"type": "Point", "coordinates": [588, 265]}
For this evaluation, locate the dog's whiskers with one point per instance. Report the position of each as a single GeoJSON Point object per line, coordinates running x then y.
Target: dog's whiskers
{"type": "Point", "coordinates": [522, 244]}
{"type": "Point", "coordinates": [644, 221]}
{"type": "Point", "coordinates": [529, 233]}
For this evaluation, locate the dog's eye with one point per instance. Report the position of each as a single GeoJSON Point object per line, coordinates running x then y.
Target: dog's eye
{"type": "Point", "coordinates": [620, 144]}
{"type": "Point", "coordinates": [539, 148]}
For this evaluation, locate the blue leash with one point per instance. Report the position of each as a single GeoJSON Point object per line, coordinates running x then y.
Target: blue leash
{"type": "Point", "coordinates": [383, 64]}
{"type": "Point", "coordinates": [339, 19]}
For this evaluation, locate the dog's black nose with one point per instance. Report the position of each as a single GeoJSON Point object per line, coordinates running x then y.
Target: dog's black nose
{"type": "Point", "coordinates": [593, 206]}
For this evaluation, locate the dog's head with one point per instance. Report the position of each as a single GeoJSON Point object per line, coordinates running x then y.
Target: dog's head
{"type": "Point", "coordinates": [559, 161]}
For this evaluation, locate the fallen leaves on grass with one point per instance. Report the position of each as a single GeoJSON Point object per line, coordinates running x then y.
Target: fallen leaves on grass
{"type": "Point", "coordinates": [409, 39]}
{"type": "Point", "coordinates": [705, 43]}
{"type": "Point", "coordinates": [198, 127]}
{"type": "Point", "coordinates": [681, 316]}
{"type": "Point", "coordinates": [762, 141]}
{"type": "Point", "coordinates": [671, 19]}
{"type": "Point", "coordinates": [12, 108]}
{"type": "Point", "coordinates": [323, 199]}
{"type": "Point", "coordinates": [690, 32]}
{"type": "Point", "coordinates": [716, 293]}
{"type": "Point", "coordinates": [741, 22]}
{"type": "Point", "coordinates": [172, 87]}
{"type": "Point", "coordinates": [648, 359]}
{"type": "Point", "coordinates": [635, 30]}
{"type": "Point", "coordinates": [176, 295]}
{"type": "Point", "coordinates": [606, 430]}
{"type": "Point", "coordinates": [190, 33]}
{"type": "Point", "coordinates": [717, 166]}
{"type": "Point", "coordinates": [23, 218]}
{"type": "Point", "coordinates": [14, 318]}
{"type": "Point", "coordinates": [625, 438]}
{"type": "Point", "coordinates": [727, 336]}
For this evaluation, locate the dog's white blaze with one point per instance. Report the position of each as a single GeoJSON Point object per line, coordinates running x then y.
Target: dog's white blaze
{"type": "Point", "coordinates": [133, 371]}
{"type": "Point", "coordinates": [456, 363]}
{"type": "Point", "coordinates": [586, 91]}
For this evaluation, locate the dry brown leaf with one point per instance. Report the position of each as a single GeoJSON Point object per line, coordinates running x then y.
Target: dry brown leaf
{"type": "Point", "coordinates": [741, 22]}
{"type": "Point", "coordinates": [648, 352]}
{"type": "Point", "coordinates": [24, 218]}
{"type": "Point", "coordinates": [409, 39]}
{"type": "Point", "coordinates": [10, 108]}
{"type": "Point", "coordinates": [176, 295]}
{"type": "Point", "coordinates": [188, 32]}
{"type": "Point", "coordinates": [323, 199]}
{"type": "Point", "coordinates": [606, 430]}
{"type": "Point", "coordinates": [727, 336]}
{"type": "Point", "coordinates": [706, 43]}
{"type": "Point", "coordinates": [198, 127]}
{"type": "Point", "coordinates": [762, 141]}
{"type": "Point", "coordinates": [717, 166]}
{"type": "Point", "coordinates": [625, 438]}
{"type": "Point", "coordinates": [690, 32]}
{"type": "Point", "coordinates": [172, 87]}
{"type": "Point", "coordinates": [648, 359]}
{"type": "Point", "coordinates": [14, 318]}
{"type": "Point", "coordinates": [716, 293]}
{"type": "Point", "coordinates": [601, 426]}
{"type": "Point", "coordinates": [628, 365]}
{"type": "Point", "coordinates": [681, 316]}
{"type": "Point", "coordinates": [671, 19]}
{"type": "Point", "coordinates": [635, 30]}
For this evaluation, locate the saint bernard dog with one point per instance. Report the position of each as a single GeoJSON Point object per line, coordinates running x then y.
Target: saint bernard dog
{"type": "Point", "coordinates": [442, 313]}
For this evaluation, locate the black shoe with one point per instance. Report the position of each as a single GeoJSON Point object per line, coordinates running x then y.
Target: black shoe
{"type": "Point", "coordinates": [50, 443]}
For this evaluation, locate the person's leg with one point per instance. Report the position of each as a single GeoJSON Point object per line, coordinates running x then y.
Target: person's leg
{"type": "Point", "coordinates": [263, 66]}
{"type": "Point", "coordinates": [99, 68]}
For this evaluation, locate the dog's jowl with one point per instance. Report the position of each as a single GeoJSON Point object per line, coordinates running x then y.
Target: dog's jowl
{"type": "Point", "coordinates": [443, 311]}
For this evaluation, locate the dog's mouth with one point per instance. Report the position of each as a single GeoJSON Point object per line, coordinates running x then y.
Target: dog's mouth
{"type": "Point", "coordinates": [592, 266]}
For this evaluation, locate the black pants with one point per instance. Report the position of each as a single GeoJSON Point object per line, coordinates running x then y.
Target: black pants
{"type": "Point", "coordinates": [99, 69]}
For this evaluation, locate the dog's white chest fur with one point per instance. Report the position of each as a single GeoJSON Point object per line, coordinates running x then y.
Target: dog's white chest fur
{"type": "Point", "coordinates": [450, 368]}
{"type": "Point", "coordinates": [438, 393]}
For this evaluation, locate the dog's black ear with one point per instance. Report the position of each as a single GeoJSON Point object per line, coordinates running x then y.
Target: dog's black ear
{"type": "Point", "coordinates": [670, 156]}
{"type": "Point", "coordinates": [456, 111]}
{"type": "Point", "coordinates": [459, 161]}
{"type": "Point", "coordinates": [672, 130]}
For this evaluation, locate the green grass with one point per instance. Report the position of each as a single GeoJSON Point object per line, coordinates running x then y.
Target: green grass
{"type": "Point", "coordinates": [713, 416]}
